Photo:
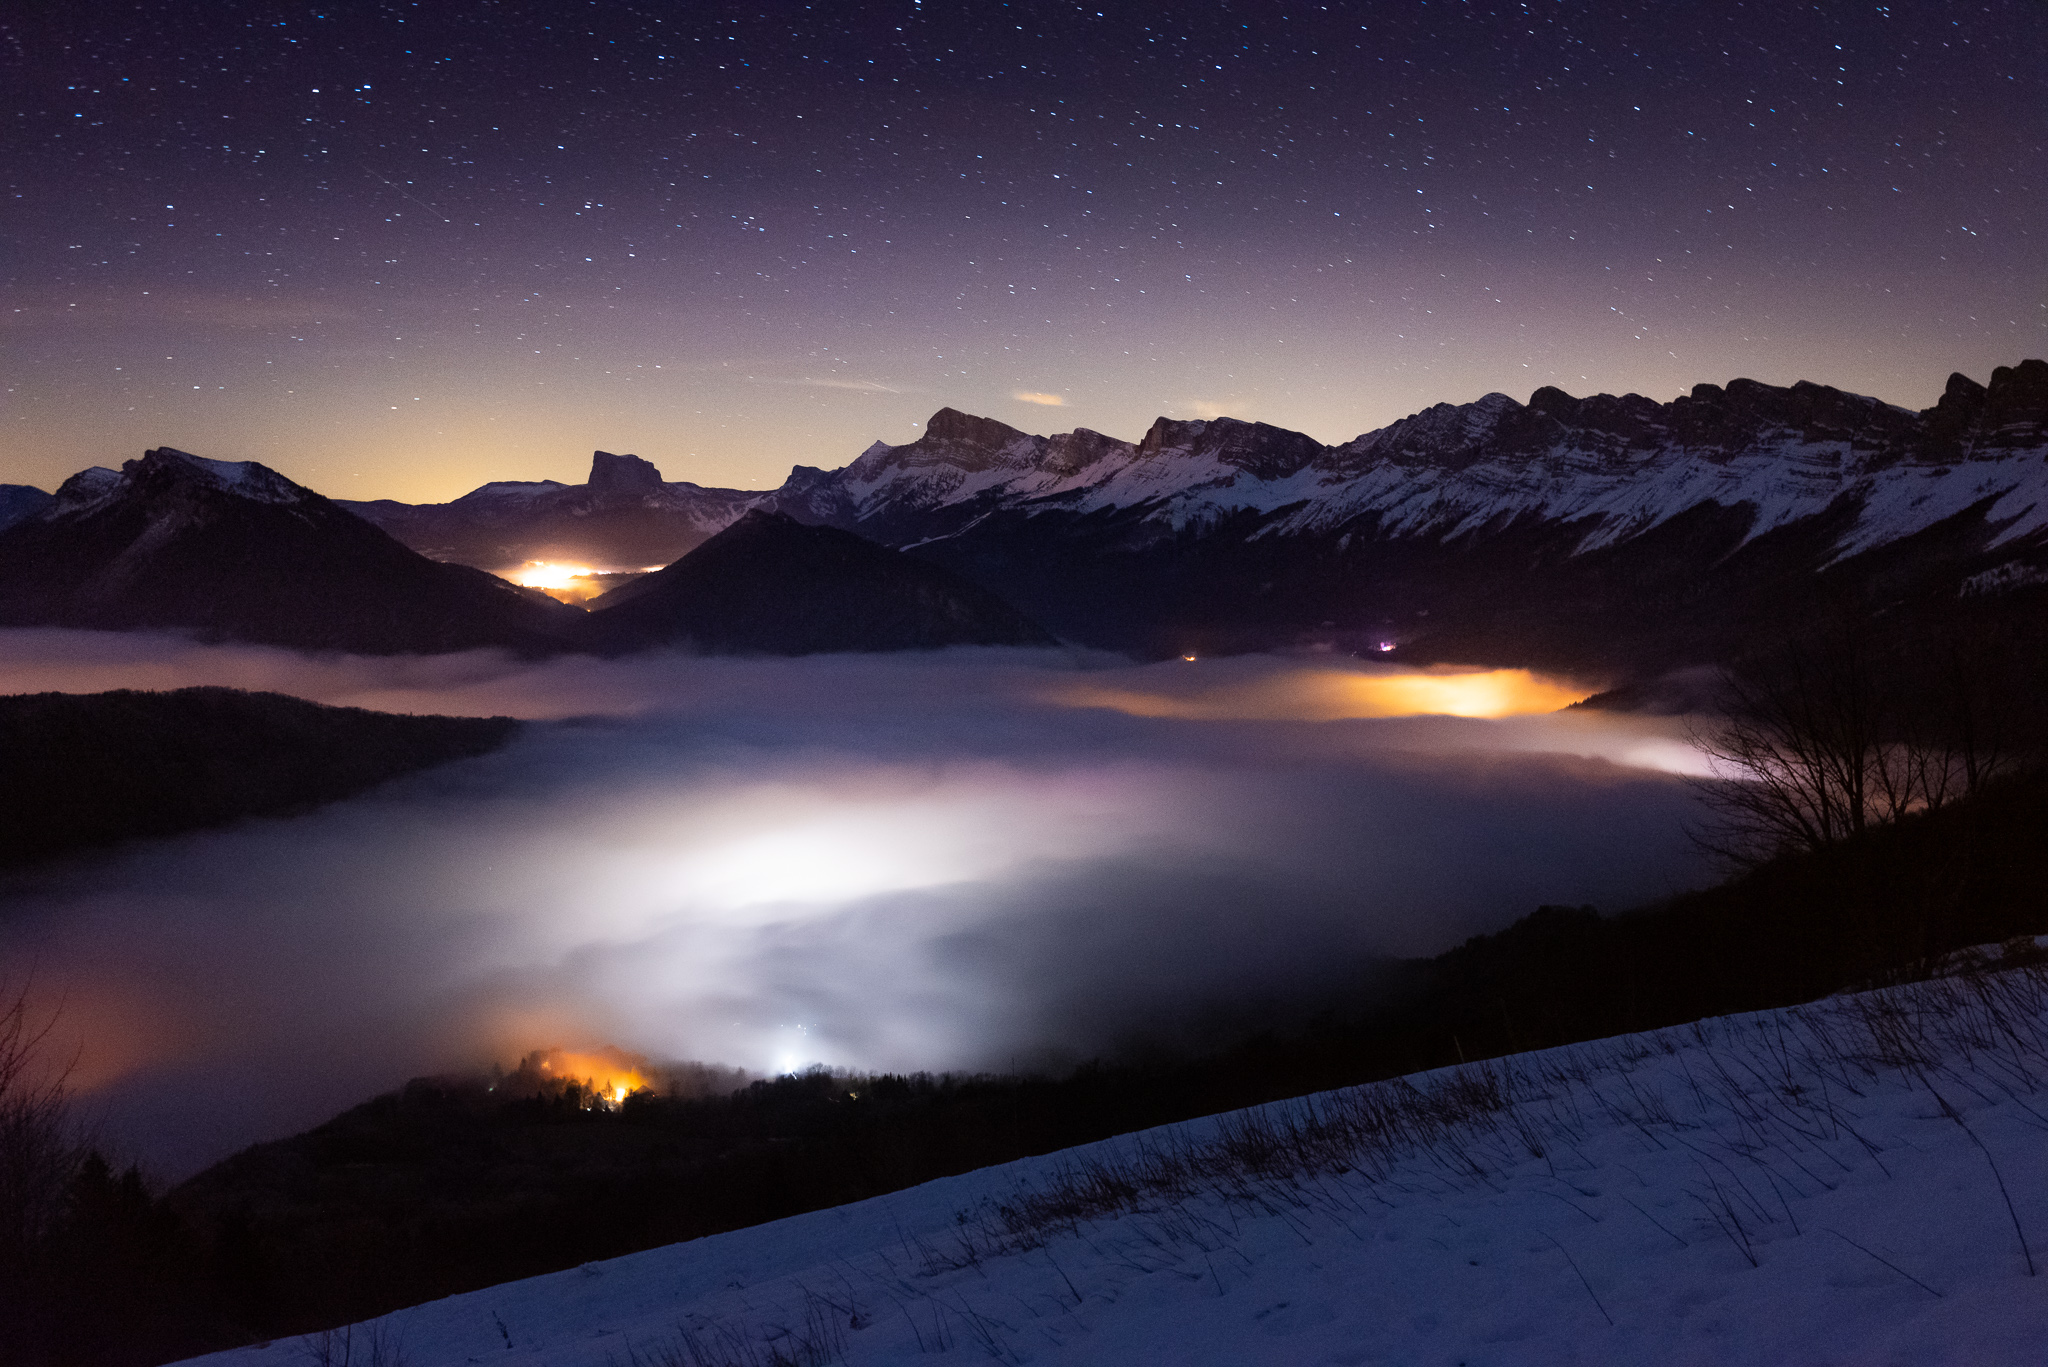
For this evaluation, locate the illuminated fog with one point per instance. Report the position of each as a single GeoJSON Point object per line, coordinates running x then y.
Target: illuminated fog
{"type": "Point", "coordinates": [977, 859]}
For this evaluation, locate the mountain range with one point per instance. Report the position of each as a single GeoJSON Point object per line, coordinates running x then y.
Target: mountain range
{"type": "Point", "coordinates": [232, 550]}
{"type": "Point", "coordinates": [1607, 532]}
{"type": "Point", "coordinates": [626, 516]}
{"type": "Point", "coordinates": [1603, 533]}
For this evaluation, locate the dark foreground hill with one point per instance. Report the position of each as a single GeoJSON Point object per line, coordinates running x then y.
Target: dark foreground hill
{"type": "Point", "coordinates": [85, 770]}
{"type": "Point", "coordinates": [449, 1185]}
{"type": "Point", "coordinates": [770, 585]}
{"type": "Point", "coordinates": [235, 551]}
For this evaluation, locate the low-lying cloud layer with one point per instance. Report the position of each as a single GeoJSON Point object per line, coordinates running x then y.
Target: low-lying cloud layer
{"type": "Point", "coordinates": [948, 861]}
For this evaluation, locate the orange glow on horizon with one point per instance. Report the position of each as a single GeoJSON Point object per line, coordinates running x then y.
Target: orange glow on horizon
{"type": "Point", "coordinates": [1322, 693]}
{"type": "Point", "coordinates": [100, 1033]}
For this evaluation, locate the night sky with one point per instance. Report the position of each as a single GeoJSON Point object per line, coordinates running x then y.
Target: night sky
{"type": "Point", "coordinates": [395, 250]}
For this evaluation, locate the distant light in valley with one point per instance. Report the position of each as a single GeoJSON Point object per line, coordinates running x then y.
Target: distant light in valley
{"type": "Point", "coordinates": [543, 574]}
{"type": "Point", "coordinates": [575, 584]}
{"type": "Point", "coordinates": [1238, 691]}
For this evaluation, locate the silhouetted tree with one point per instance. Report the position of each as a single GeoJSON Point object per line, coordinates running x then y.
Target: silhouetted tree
{"type": "Point", "coordinates": [1827, 737]}
{"type": "Point", "coordinates": [38, 1149]}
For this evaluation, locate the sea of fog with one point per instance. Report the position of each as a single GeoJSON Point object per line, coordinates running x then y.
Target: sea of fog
{"type": "Point", "coordinates": [964, 860]}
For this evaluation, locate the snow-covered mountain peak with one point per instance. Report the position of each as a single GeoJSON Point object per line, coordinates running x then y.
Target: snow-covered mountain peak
{"type": "Point", "coordinates": [84, 489]}
{"type": "Point", "coordinates": [1446, 435]}
{"type": "Point", "coordinates": [513, 490]}
{"type": "Point", "coordinates": [166, 468]}
{"type": "Point", "coordinates": [1069, 453]}
{"type": "Point", "coordinates": [1231, 444]}
{"type": "Point", "coordinates": [954, 441]}
{"type": "Point", "coordinates": [1171, 434]}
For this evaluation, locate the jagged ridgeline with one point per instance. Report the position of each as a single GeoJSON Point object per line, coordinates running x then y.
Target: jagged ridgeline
{"type": "Point", "coordinates": [1603, 533]}
{"type": "Point", "coordinates": [1608, 535]}
{"type": "Point", "coordinates": [79, 771]}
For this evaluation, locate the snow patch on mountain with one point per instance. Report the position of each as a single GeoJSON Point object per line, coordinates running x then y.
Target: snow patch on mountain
{"type": "Point", "coordinates": [513, 491]}
{"type": "Point", "coordinates": [242, 478]}
{"type": "Point", "coordinates": [83, 490]}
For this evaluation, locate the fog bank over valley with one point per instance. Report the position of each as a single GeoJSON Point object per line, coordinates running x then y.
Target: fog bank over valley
{"type": "Point", "coordinates": [975, 859]}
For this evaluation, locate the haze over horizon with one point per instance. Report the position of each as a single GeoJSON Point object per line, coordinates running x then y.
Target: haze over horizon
{"type": "Point", "coordinates": [401, 250]}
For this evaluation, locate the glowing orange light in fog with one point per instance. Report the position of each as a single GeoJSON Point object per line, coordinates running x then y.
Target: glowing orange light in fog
{"type": "Point", "coordinates": [546, 574]}
{"type": "Point", "coordinates": [567, 583]}
{"type": "Point", "coordinates": [1325, 694]}
{"type": "Point", "coordinates": [605, 1075]}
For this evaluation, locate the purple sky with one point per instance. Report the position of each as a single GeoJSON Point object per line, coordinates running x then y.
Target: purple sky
{"type": "Point", "coordinates": [397, 250]}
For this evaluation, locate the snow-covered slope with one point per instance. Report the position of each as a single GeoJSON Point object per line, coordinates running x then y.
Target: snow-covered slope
{"type": "Point", "coordinates": [1864, 1180]}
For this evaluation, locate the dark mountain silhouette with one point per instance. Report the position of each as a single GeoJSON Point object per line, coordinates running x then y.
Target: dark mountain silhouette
{"type": "Point", "coordinates": [626, 517]}
{"type": "Point", "coordinates": [18, 501]}
{"type": "Point", "coordinates": [235, 551]}
{"type": "Point", "coordinates": [770, 585]}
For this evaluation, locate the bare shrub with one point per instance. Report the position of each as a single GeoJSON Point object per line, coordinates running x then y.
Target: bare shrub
{"type": "Point", "coordinates": [375, 1344]}
{"type": "Point", "coordinates": [39, 1148]}
{"type": "Point", "coordinates": [1821, 740]}
{"type": "Point", "coordinates": [816, 1339]}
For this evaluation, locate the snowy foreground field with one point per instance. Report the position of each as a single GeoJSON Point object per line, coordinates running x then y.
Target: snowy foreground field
{"type": "Point", "coordinates": [1860, 1181]}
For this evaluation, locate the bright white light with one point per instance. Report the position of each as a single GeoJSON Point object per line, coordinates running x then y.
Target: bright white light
{"type": "Point", "coordinates": [837, 859]}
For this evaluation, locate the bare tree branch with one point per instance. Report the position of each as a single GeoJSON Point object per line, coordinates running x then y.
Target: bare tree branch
{"type": "Point", "coordinates": [1817, 743]}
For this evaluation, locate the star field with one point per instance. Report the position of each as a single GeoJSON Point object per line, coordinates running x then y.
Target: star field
{"type": "Point", "coordinates": [395, 250]}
